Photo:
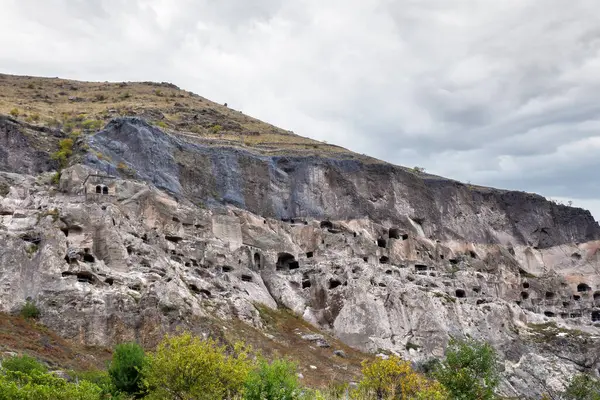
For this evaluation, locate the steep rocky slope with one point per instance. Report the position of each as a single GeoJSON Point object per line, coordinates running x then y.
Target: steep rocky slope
{"type": "Point", "coordinates": [154, 228]}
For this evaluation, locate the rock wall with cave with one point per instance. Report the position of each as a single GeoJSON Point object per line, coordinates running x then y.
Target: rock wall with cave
{"type": "Point", "coordinates": [380, 257]}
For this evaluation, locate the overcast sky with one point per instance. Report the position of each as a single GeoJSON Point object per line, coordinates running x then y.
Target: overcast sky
{"type": "Point", "coordinates": [501, 93]}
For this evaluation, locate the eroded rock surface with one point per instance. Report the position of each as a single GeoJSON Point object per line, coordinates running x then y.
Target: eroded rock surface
{"type": "Point", "coordinates": [159, 232]}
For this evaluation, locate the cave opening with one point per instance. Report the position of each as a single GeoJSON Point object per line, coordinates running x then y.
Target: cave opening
{"type": "Point", "coordinates": [460, 293]}
{"type": "Point", "coordinates": [394, 233]}
{"type": "Point", "coordinates": [85, 277]}
{"type": "Point", "coordinates": [309, 254]}
{"type": "Point", "coordinates": [420, 267]}
{"type": "Point", "coordinates": [326, 225]}
{"type": "Point", "coordinates": [333, 283]}
{"type": "Point", "coordinates": [595, 316]}
{"type": "Point", "coordinates": [286, 261]}
{"type": "Point", "coordinates": [524, 295]}
{"type": "Point", "coordinates": [583, 287]}
{"type": "Point", "coordinates": [246, 278]}
{"type": "Point", "coordinates": [549, 314]}
{"type": "Point", "coordinates": [384, 260]}
{"type": "Point", "coordinates": [257, 260]}
{"type": "Point", "coordinates": [381, 242]}
{"type": "Point", "coordinates": [88, 258]}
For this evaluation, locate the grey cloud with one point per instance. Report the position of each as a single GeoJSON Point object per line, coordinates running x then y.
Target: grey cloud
{"type": "Point", "coordinates": [498, 93]}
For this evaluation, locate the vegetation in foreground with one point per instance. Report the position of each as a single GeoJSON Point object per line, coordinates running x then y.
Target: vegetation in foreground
{"type": "Point", "coordinates": [185, 367]}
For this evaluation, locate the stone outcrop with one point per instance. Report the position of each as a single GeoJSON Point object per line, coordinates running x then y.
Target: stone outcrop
{"type": "Point", "coordinates": [384, 258]}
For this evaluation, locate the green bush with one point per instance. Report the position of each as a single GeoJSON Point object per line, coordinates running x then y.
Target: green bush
{"type": "Point", "coordinates": [92, 124]}
{"type": "Point", "coordinates": [101, 379]}
{"type": "Point", "coordinates": [30, 311]}
{"type": "Point", "coordinates": [14, 112]}
{"type": "Point", "coordinates": [125, 367]}
{"type": "Point", "coordinates": [216, 129]}
{"type": "Point", "coordinates": [470, 370]}
{"type": "Point", "coordinates": [56, 178]}
{"type": "Point", "coordinates": [24, 364]}
{"type": "Point", "coordinates": [275, 381]}
{"type": "Point", "coordinates": [38, 385]}
{"type": "Point", "coordinates": [583, 387]}
{"type": "Point", "coordinates": [187, 367]}
{"type": "Point", "coordinates": [65, 150]}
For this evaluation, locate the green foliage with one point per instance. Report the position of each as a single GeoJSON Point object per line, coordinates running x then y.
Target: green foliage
{"type": "Point", "coordinates": [216, 129]}
{"type": "Point", "coordinates": [65, 150]}
{"type": "Point", "coordinates": [30, 311]}
{"type": "Point", "coordinates": [470, 370]}
{"type": "Point", "coordinates": [92, 124]}
{"type": "Point", "coordinates": [583, 387]}
{"type": "Point", "coordinates": [39, 385]}
{"type": "Point", "coordinates": [275, 381]}
{"type": "Point", "coordinates": [186, 367]}
{"type": "Point", "coordinates": [24, 364]}
{"type": "Point", "coordinates": [33, 118]}
{"type": "Point", "coordinates": [161, 124]}
{"type": "Point", "coordinates": [14, 112]}
{"type": "Point", "coordinates": [419, 170]}
{"type": "Point", "coordinates": [125, 367]}
{"type": "Point", "coordinates": [31, 249]}
{"type": "Point", "coordinates": [56, 178]}
{"type": "Point", "coordinates": [393, 379]}
{"type": "Point", "coordinates": [101, 379]}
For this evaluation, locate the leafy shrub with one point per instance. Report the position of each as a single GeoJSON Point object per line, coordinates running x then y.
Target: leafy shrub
{"type": "Point", "coordinates": [30, 310]}
{"type": "Point", "coordinates": [24, 364]}
{"type": "Point", "coordinates": [216, 129]}
{"type": "Point", "coordinates": [101, 379]}
{"type": "Point", "coordinates": [186, 367]}
{"type": "Point", "coordinates": [33, 118]}
{"type": "Point", "coordinates": [32, 249]}
{"type": "Point", "coordinates": [65, 150]}
{"type": "Point", "coordinates": [14, 112]}
{"type": "Point", "coordinates": [395, 379]}
{"type": "Point", "coordinates": [92, 124]}
{"type": "Point", "coordinates": [583, 387]}
{"type": "Point", "coordinates": [469, 371]}
{"type": "Point", "coordinates": [38, 385]}
{"type": "Point", "coordinates": [125, 367]}
{"type": "Point", "coordinates": [161, 124]}
{"type": "Point", "coordinates": [275, 381]}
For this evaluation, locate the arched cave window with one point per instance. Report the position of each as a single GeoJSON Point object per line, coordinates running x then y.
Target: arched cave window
{"type": "Point", "coordinates": [583, 287]}
{"type": "Point", "coordinates": [257, 260]}
{"type": "Point", "coordinates": [104, 190]}
{"type": "Point", "coordinates": [460, 293]}
{"type": "Point", "coordinates": [98, 189]}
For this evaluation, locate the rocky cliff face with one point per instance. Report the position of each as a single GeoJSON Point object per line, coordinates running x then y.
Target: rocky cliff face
{"type": "Point", "coordinates": [149, 230]}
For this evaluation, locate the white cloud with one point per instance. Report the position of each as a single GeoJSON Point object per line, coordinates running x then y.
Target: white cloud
{"type": "Point", "coordinates": [499, 93]}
